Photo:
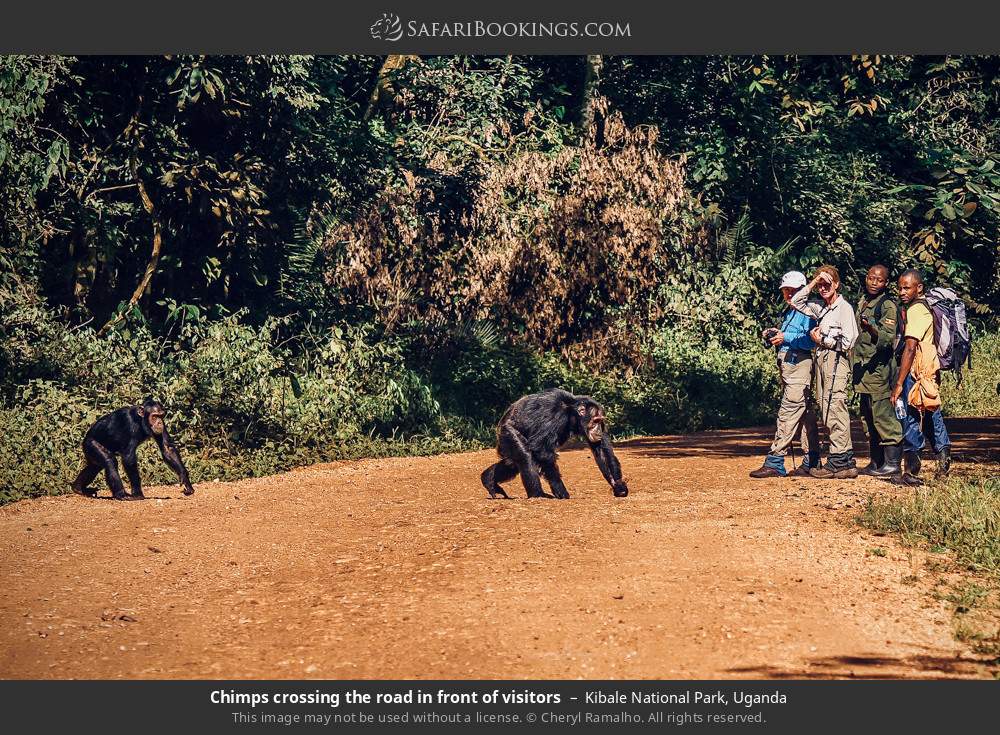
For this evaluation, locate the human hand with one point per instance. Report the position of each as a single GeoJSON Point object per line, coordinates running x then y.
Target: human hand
{"type": "Point", "coordinates": [817, 337]}
{"type": "Point", "coordinates": [778, 339]}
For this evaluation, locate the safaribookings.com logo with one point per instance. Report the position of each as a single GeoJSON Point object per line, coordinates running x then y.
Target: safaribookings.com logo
{"type": "Point", "coordinates": [390, 28]}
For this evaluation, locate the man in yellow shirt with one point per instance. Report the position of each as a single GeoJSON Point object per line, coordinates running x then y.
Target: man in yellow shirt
{"type": "Point", "coordinates": [918, 362]}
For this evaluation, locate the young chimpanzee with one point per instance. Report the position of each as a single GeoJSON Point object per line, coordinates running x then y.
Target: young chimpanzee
{"type": "Point", "coordinates": [121, 432]}
{"type": "Point", "coordinates": [531, 431]}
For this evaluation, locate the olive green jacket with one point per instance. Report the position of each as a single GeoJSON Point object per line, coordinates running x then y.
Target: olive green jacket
{"type": "Point", "coordinates": [872, 359]}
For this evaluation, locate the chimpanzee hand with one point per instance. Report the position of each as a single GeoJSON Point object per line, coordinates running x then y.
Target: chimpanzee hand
{"type": "Point", "coordinates": [620, 488]}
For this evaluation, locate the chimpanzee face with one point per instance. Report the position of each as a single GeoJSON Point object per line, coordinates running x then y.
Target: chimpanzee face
{"type": "Point", "coordinates": [591, 419]}
{"type": "Point", "coordinates": [154, 414]}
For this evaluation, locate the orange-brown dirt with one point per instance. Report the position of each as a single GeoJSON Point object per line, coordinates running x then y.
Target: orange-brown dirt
{"type": "Point", "coordinates": [403, 568]}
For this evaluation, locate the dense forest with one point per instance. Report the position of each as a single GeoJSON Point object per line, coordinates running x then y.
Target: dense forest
{"type": "Point", "coordinates": [319, 257]}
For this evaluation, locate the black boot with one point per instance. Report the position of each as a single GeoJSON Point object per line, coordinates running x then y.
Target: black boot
{"type": "Point", "coordinates": [944, 461]}
{"type": "Point", "coordinates": [911, 462]}
{"type": "Point", "coordinates": [893, 455]}
{"type": "Point", "coordinates": [876, 456]}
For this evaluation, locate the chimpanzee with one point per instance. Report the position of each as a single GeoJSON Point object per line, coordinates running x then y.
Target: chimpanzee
{"type": "Point", "coordinates": [531, 431]}
{"type": "Point", "coordinates": [121, 432]}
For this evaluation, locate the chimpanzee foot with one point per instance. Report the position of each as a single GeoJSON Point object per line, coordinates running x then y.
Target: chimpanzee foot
{"type": "Point", "coordinates": [138, 496]}
{"type": "Point", "coordinates": [189, 490]}
{"type": "Point", "coordinates": [499, 492]}
{"type": "Point", "coordinates": [121, 496]}
{"type": "Point", "coordinates": [87, 492]}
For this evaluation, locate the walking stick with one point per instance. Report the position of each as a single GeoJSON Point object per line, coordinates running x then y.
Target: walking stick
{"type": "Point", "coordinates": [833, 380]}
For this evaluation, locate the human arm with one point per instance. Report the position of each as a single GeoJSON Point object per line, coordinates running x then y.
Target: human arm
{"type": "Point", "coordinates": [905, 364]}
{"type": "Point", "coordinates": [800, 300]}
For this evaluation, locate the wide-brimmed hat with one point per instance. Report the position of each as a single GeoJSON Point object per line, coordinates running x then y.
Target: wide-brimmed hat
{"type": "Point", "coordinates": [793, 279]}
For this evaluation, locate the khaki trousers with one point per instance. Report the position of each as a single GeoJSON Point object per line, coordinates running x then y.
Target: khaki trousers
{"type": "Point", "coordinates": [796, 415]}
{"type": "Point", "coordinates": [832, 397]}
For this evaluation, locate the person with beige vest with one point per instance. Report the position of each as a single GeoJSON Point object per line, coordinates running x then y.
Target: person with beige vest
{"type": "Point", "coordinates": [835, 335]}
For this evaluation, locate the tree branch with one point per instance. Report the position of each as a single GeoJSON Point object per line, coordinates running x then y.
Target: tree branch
{"type": "Point", "coordinates": [154, 258]}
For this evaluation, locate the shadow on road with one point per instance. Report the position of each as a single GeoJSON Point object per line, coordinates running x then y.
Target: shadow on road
{"type": "Point", "coordinates": [973, 439]}
{"type": "Point", "coordinates": [868, 667]}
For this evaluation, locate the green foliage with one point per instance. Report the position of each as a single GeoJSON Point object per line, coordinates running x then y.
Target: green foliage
{"type": "Point", "coordinates": [979, 392]}
{"type": "Point", "coordinates": [368, 255]}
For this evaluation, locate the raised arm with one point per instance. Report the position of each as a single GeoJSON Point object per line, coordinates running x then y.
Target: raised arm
{"type": "Point", "coordinates": [800, 300]}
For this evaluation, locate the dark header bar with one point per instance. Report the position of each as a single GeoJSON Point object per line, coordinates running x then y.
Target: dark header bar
{"type": "Point", "coordinates": [515, 26]}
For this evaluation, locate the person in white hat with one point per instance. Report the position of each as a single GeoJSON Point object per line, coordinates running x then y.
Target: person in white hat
{"type": "Point", "coordinates": [796, 415]}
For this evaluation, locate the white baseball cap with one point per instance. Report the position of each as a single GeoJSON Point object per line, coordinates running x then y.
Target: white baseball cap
{"type": "Point", "coordinates": [793, 279]}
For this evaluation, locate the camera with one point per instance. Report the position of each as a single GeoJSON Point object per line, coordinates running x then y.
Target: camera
{"type": "Point", "coordinates": [768, 335]}
{"type": "Point", "coordinates": [835, 335]}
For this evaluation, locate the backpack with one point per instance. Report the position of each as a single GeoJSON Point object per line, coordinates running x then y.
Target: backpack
{"type": "Point", "coordinates": [951, 330]}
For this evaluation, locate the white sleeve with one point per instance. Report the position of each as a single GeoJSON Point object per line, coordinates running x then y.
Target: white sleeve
{"type": "Point", "coordinates": [800, 302]}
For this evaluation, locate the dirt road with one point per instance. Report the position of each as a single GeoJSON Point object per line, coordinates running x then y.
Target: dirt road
{"type": "Point", "coordinates": [402, 568]}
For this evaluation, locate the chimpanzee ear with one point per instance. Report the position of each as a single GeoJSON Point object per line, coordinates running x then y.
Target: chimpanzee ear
{"type": "Point", "coordinates": [140, 410]}
{"type": "Point", "coordinates": [581, 409]}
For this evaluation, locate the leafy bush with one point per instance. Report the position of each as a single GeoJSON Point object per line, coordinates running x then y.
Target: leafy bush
{"type": "Point", "coordinates": [979, 392]}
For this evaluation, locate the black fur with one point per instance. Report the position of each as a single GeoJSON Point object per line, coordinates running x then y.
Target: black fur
{"type": "Point", "coordinates": [120, 433]}
{"type": "Point", "coordinates": [530, 434]}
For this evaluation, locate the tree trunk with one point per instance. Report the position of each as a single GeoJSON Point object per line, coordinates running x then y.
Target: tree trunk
{"type": "Point", "coordinates": [154, 257]}
{"type": "Point", "coordinates": [590, 84]}
{"type": "Point", "coordinates": [382, 86]}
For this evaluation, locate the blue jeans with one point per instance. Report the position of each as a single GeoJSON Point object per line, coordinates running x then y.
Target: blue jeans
{"type": "Point", "coordinates": [913, 435]}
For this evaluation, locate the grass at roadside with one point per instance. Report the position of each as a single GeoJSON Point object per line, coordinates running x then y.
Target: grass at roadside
{"type": "Point", "coordinates": [961, 516]}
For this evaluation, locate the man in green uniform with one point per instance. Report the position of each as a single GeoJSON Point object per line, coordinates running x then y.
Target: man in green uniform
{"type": "Point", "coordinates": [872, 364]}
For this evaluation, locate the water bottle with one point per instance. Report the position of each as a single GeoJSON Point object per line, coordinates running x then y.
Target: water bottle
{"type": "Point", "coordinates": [900, 409]}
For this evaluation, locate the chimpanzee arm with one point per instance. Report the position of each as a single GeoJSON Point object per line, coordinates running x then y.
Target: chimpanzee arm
{"type": "Point", "coordinates": [608, 464]}
{"type": "Point", "coordinates": [173, 459]}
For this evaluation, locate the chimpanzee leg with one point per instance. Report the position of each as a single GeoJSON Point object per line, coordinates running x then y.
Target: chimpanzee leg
{"type": "Point", "coordinates": [131, 463]}
{"type": "Point", "coordinates": [551, 472]}
{"type": "Point", "coordinates": [96, 450]}
{"type": "Point", "coordinates": [512, 445]}
{"type": "Point", "coordinates": [497, 473]}
{"type": "Point", "coordinates": [86, 476]}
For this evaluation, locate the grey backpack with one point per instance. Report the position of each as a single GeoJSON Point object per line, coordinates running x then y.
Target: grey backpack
{"type": "Point", "coordinates": [951, 330]}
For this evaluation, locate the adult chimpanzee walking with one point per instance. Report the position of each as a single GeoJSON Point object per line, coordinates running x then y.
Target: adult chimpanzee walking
{"type": "Point", "coordinates": [533, 429]}
{"type": "Point", "coordinates": [121, 432]}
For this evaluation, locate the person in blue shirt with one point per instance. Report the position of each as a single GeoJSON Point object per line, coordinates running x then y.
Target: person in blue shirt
{"type": "Point", "coordinates": [796, 415]}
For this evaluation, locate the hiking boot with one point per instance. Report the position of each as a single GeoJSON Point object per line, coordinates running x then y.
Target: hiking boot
{"type": "Point", "coordinates": [845, 473]}
{"type": "Point", "coordinates": [823, 472]}
{"type": "Point", "coordinates": [893, 455]}
{"type": "Point", "coordinates": [800, 471]}
{"type": "Point", "coordinates": [911, 463]}
{"type": "Point", "coordinates": [906, 479]}
{"type": "Point", "coordinates": [944, 461]}
{"type": "Point", "coordinates": [774, 466]}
